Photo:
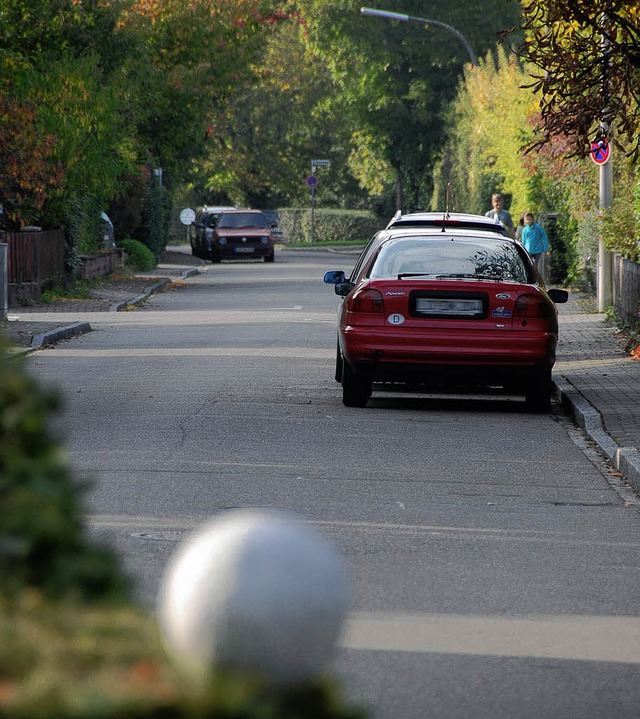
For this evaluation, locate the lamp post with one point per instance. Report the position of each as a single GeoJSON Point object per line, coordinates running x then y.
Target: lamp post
{"type": "Point", "coordinates": [424, 21]}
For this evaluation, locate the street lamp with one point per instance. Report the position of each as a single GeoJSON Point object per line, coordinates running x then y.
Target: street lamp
{"type": "Point", "coordinates": [409, 18]}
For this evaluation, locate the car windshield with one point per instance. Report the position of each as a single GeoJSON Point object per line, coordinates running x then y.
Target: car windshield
{"type": "Point", "coordinates": [240, 220]}
{"type": "Point", "coordinates": [449, 258]}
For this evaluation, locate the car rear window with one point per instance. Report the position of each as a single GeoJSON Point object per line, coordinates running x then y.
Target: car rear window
{"type": "Point", "coordinates": [449, 257]}
{"type": "Point", "coordinates": [242, 219]}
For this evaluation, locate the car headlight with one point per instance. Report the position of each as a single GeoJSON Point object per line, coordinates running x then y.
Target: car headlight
{"type": "Point", "coordinates": [223, 240]}
{"type": "Point", "coordinates": [264, 240]}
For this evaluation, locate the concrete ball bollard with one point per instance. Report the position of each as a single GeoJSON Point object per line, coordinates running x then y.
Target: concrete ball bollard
{"type": "Point", "coordinates": [254, 592]}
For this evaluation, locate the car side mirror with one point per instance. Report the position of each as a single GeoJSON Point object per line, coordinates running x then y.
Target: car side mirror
{"type": "Point", "coordinates": [333, 277]}
{"type": "Point", "coordinates": [558, 296]}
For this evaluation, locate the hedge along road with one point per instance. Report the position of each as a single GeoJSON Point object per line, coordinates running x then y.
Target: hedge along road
{"type": "Point", "coordinates": [494, 569]}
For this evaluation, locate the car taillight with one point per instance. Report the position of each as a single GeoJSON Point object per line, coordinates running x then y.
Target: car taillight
{"type": "Point", "coordinates": [531, 306]}
{"type": "Point", "coordinates": [366, 300]}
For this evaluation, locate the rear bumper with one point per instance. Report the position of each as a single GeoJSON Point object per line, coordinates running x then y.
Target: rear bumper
{"type": "Point", "coordinates": [508, 358]}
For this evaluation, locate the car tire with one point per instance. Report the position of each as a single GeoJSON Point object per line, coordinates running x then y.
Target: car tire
{"type": "Point", "coordinates": [270, 257]}
{"type": "Point", "coordinates": [339, 361]}
{"type": "Point", "coordinates": [356, 388]}
{"type": "Point", "coordinates": [537, 393]}
{"type": "Point", "coordinates": [215, 259]}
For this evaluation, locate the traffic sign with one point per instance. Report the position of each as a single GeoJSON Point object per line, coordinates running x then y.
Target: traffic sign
{"type": "Point", "coordinates": [600, 151]}
{"type": "Point", "coordinates": [312, 181]}
{"type": "Point", "coordinates": [187, 216]}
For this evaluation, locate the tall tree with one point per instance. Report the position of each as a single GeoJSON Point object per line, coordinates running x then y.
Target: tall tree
{"type": "Point", "coordinates": [396, 79]}
{"type": "Point", "coordinates": [586, 59]}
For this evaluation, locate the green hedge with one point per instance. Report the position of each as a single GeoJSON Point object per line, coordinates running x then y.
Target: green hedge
{"type": "Point", "coordinates": [139, 256]}
{"type": "Point", "coordinates": [329, 225]}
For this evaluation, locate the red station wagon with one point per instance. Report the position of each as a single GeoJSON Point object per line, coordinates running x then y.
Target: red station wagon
{"type": "Point", "coordinates": [445, 307]}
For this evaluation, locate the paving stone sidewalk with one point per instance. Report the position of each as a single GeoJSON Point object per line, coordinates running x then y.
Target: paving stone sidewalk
{"type": "Point", "coordinates": [600, 383]}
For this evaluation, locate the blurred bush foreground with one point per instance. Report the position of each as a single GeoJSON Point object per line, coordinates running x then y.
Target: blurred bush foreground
{"type": "Point", "coordinates": [72, 644]}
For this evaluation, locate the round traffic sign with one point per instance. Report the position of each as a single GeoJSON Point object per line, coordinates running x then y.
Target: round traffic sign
{"type": "Point", "coordinates": [312, 181]}
{"type": "Point", "coordinates": [600, 151]}
{"type": "Point", "coordinates": [187, 216]}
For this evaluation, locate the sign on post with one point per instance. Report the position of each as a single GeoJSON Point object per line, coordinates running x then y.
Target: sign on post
{"type": "Point", "coordinates": [187, 216]}
{"type": "Point", "coordinates": [600, 151]}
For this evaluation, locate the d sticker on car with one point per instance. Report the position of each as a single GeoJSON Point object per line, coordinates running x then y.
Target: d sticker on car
{"type": "Point", "coordinates": [501, 312]}
{"type": "Point", "coordinates": [395, 319]}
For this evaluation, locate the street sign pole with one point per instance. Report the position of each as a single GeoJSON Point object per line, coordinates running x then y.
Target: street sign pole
{"type": "Point", "coordinates": [312, 182]}
{"type": "Point", "coordinates": [605, 258]}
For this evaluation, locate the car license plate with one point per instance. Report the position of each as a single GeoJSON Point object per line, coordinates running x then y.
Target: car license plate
{"type": "Point", "coordinates": [243, 249]}
{"type": "Point", "coordinates": [446, 307]}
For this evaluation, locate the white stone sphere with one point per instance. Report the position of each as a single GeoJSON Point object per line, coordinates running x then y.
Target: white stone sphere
{"type": "Point", "coordinates": [254, 592]}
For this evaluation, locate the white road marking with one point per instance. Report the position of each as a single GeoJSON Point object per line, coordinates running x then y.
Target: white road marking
{"type": "Point", "coordinates": [569, 637]}
{"type": "Point", "coordinates": [294, 352]}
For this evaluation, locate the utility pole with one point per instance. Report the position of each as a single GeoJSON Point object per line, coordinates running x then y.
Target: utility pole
{"type": "Point", "coordinates": [605, 260]}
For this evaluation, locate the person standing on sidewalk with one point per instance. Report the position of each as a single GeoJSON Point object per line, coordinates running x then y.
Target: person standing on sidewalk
{"type": "Point", "coordinates": [534, 239]}
{"type": "Point", "coordinates": [499, 214]}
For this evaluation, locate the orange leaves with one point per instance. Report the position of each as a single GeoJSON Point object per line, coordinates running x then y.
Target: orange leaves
{"type": "Point", "coordinates": [25, 160]}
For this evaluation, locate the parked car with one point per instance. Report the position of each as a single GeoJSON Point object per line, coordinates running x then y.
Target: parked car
{"type": "Point", "coordinates": [274, 223]}
{"type": "Point", "coordinates": [437, 308]}
{"type": "Point", "coordinates": [205, 219]}
{"type": "Point", "coordinates": [234, 234]}
{"type": "Point", "coordinates": [447, 220]}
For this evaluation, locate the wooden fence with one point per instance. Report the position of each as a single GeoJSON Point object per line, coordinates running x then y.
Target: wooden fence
{"type": "Point", "coordinates": [626, 290]}
{"type": "Point", "coordinates": [35, 256]}
{"type": "Point", "coordinates": [35, 260]}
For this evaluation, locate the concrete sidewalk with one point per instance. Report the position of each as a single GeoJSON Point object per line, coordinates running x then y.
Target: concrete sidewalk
{"type": "Point", "coordinates": [600, 384]}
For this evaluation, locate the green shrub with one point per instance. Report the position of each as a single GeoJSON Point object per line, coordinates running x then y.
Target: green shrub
{"type": "Point", "coordinates": [42, 544]}
{"type": "Point", "coordinates": [329, 225]}
{"type": "Point", "coordinates": [139, 256]}
{"type": "Point", "coordinates": [156, 217]}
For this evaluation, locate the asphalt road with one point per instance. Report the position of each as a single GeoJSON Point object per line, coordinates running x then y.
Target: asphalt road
{"type": "Point", "coordinates": [494, 569]}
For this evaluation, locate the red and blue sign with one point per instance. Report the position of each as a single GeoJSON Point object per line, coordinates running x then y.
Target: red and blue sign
{"type": "Point", "coordinates": [312, 181]}
{"type": "Point", "coordinates": [600, 151]}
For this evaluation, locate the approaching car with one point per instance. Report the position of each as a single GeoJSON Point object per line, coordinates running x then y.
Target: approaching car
{"type": "Point", "coordinates": [448, 221]}
{"type": "Point", "coordinates": [206, 219]}
{"type": "Point", "coordinates": [233, 234]}
{"type": "Point", "coordinates": [445, 308]}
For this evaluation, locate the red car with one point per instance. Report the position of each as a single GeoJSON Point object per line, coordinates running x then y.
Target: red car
{"type": "Point", "coordinates": [441, 308]}
{"type": "Point", "coordinates": [233, 234]}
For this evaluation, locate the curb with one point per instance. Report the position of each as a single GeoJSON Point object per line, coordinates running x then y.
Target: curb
{"type": "Point", "coordinates": [123, 304]}
{"type": "Point", "coordinates": [625, 459]}
{"type": "Point", "coordinates": [79, 328]}
{"type": "Point", "coordinates": [61, 333]}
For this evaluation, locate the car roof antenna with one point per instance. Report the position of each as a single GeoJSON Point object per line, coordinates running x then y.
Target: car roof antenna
{"type": "Point", "coordinates": [448, 198]}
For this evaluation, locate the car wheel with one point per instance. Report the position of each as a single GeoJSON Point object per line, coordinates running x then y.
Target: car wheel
{"type": "Point", "coordinates": [339, 360]}
{"type": "Point", "coordinates": [356, 389]}
{"type": "Point", "coordinates": [538, 393]}
{"type": "Point", "coordinates": [215, 259]}
{"type": "Point", "coordinates": [271, 257]}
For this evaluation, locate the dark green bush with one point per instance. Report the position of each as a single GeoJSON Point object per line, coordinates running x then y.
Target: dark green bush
{"type": "Point", "coordinates": [139, 256]}
{"type": "Point", "coordinates": [329, 225]}
{"type": "Point", "coordinates": [156, 217]}
{"type": "Point", "coordinates": [42, 544]}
